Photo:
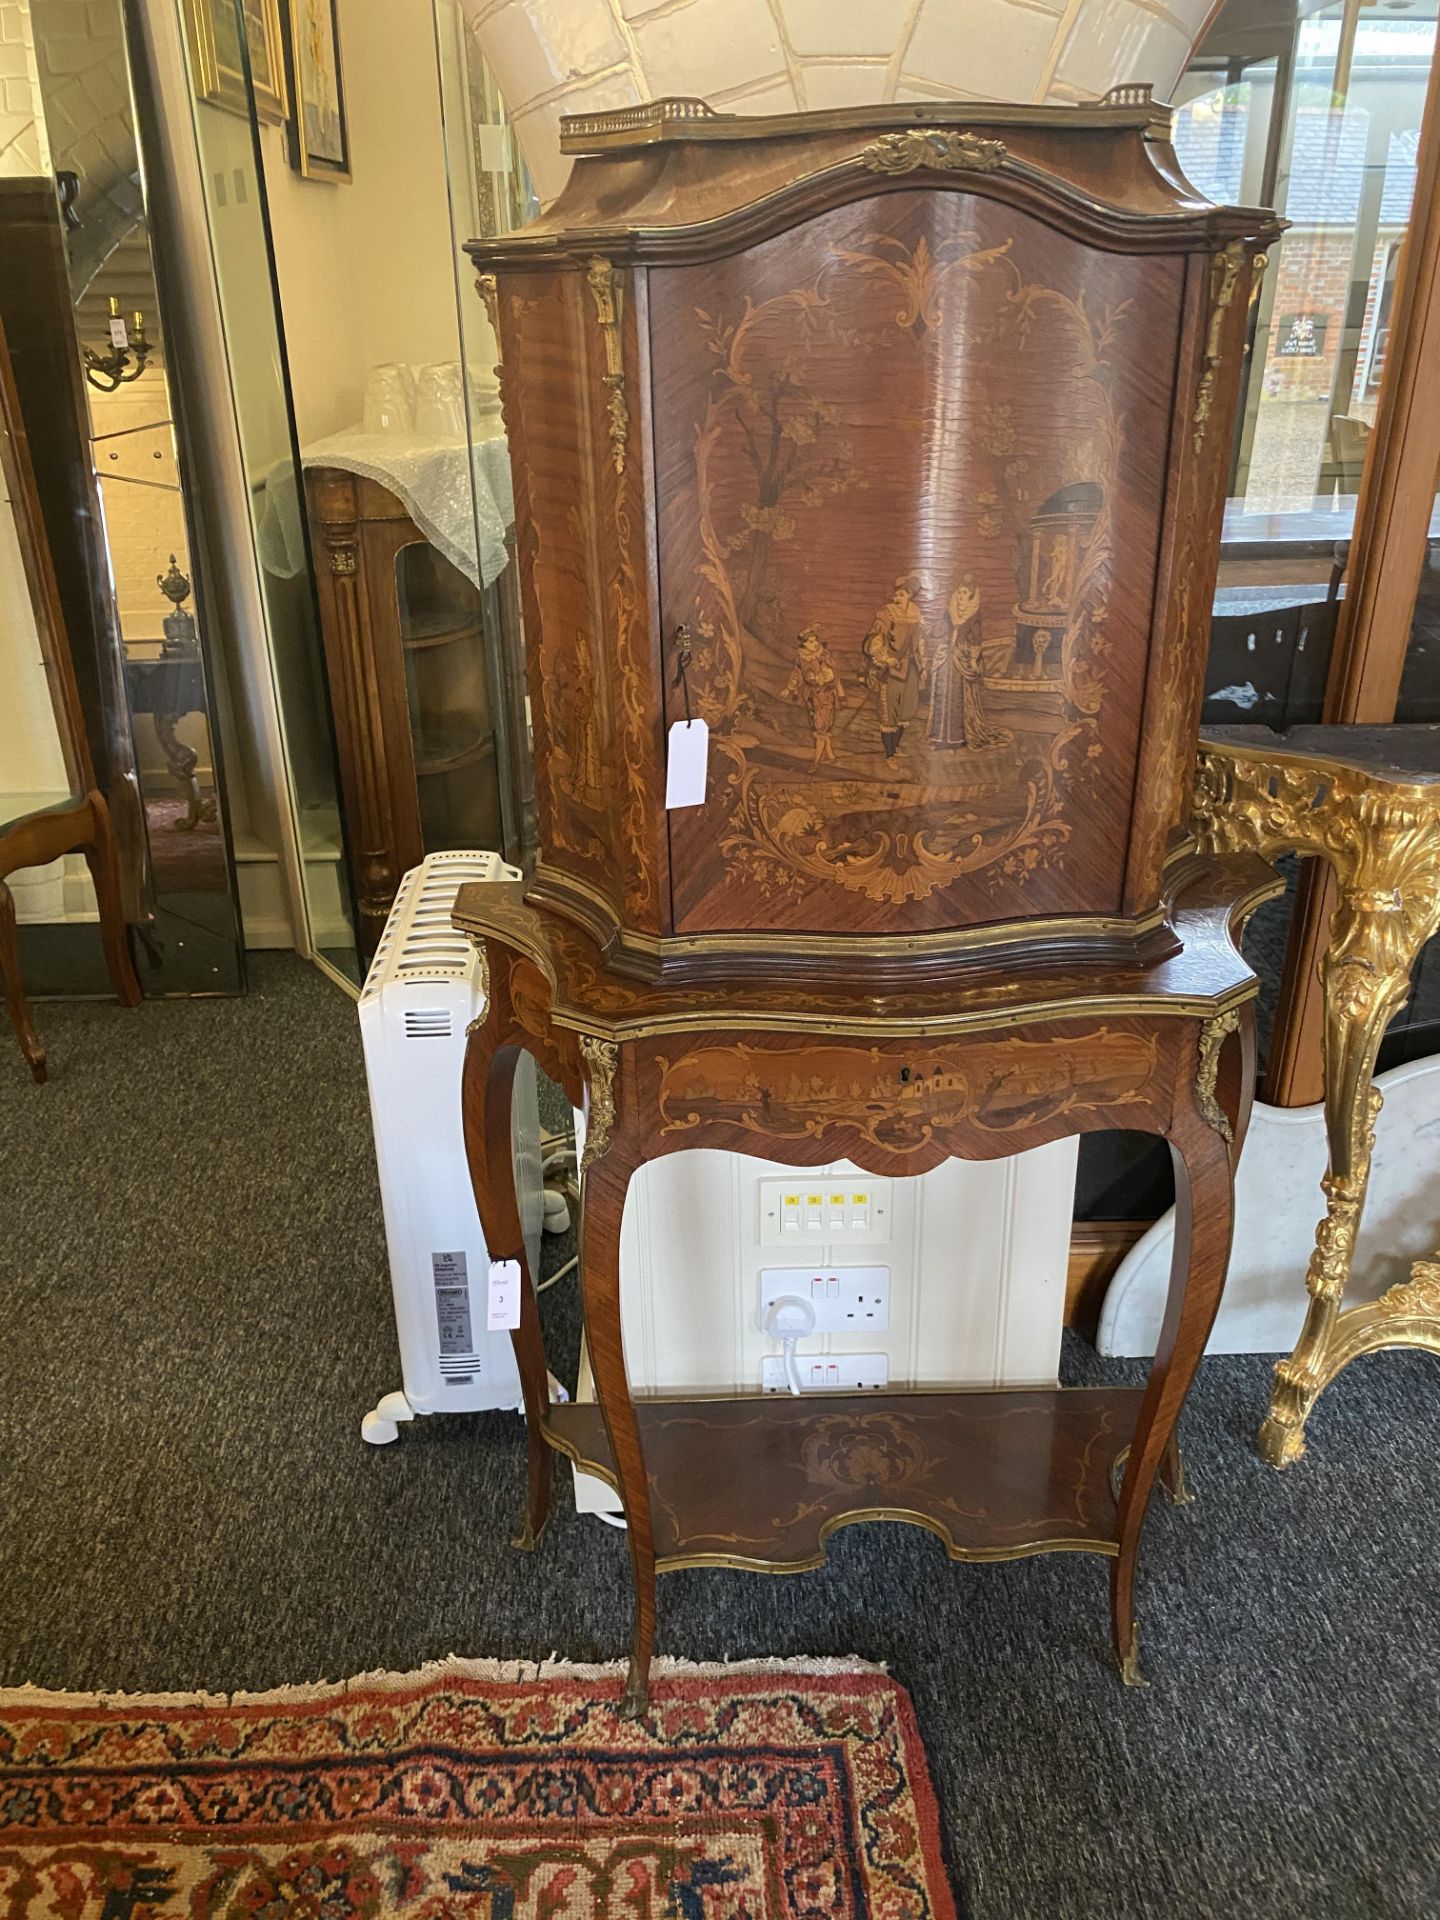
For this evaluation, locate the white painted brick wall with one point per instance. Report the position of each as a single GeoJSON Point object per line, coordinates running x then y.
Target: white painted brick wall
{"type": "Point", "coordinates": [21, 136]}
{"type": "Point", "coordinates": [144, 525]}
{"type": "Point", "coordinates": [553, 57]}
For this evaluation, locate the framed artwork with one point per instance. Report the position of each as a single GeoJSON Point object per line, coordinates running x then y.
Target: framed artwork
{"type": "Point", "coordinates": [319, 132]}
{"type": "Point", "coordinates": [213, 29]}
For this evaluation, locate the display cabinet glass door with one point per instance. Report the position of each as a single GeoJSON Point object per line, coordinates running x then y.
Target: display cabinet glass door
{"type": "Point", "coordinates": [447, 690]}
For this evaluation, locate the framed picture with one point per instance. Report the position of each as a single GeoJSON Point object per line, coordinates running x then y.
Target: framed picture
{"type": "Point", "coordinates": [213, 29]}
{"type": "Point", "coordinates": [319, 132]}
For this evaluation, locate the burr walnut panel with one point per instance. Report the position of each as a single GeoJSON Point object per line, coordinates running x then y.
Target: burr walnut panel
{"type": "Point", "coordinates": [910, 470]}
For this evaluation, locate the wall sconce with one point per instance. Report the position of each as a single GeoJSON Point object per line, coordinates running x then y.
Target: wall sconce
{"type": "Point", "coordinates": [128, 349]}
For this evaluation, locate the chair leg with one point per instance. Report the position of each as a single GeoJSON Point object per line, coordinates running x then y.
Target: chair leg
{"type": "Point", "coordinates": [15, 1001]}
{"type": "Point", "coordinates": [103, 860]}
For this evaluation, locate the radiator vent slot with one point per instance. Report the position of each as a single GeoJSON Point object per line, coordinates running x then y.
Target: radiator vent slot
{"type": "Point", "coordinates": [427, 1023]}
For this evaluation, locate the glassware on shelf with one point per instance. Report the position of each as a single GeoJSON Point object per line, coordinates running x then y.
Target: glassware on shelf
{"type": "Point", "coordinates": [390, 399]}
{"type": "Point", "coordinates": [440, 402]}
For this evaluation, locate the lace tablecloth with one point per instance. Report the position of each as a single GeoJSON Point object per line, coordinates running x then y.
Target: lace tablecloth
{"type": "Point", "coordinates": [428, 476]}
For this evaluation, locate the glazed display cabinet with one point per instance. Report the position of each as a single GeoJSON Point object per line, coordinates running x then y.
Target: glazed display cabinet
{"type": "Point", "coordinates": [412, 686]}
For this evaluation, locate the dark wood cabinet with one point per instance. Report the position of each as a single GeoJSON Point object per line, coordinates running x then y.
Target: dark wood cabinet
{"type": "Point", "coordinates": [911, 494]}
{"type": "Point", "coordinates": [410, 688]}
{"type": "Point", "coordinates": [891, 445]}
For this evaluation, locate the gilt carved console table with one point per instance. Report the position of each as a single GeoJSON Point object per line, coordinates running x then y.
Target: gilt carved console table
{"type": "Point", "coordinates": [891, 446]}
{"type": "Point", "coordinates": [1367, 800]}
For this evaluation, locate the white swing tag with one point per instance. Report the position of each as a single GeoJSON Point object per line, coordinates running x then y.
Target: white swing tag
{"type": "Point", "coordinates": [503, 1314]}
{"type": "Point", "coordinates": [686, 762]}
{"type": "Point", "coordinates": [119, 334]}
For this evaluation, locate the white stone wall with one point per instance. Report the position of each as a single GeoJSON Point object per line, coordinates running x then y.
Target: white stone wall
{"type": "Point", "coordinates": [553, 57]}
{"type": "Point", "coordinates": [21, 135]}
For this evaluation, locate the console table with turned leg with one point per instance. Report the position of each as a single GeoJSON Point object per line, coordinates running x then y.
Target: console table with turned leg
{"type": "Point", "coordinates": [1367, 801]}
{"type": "Point", "coordinates": [891, 446]}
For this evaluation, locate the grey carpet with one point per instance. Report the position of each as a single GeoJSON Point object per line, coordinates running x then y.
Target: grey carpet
{"type": "Point", "coordinates": [197, 1315]}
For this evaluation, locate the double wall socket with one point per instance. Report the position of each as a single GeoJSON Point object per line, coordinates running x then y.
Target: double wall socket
{"type": "Point", "coordinates": [845, 1299]}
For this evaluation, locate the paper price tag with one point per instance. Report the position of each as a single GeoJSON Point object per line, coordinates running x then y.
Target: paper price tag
{"type": "Point", "coordinates": [686, 762]}
{"type": "Point", "coordinates": [503, 1313]}
{"type": "Point", "coordinates": [118, 335]}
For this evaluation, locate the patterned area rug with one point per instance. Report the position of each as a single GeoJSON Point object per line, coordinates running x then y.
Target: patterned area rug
{"type": "Point", "coordinates": [468, 1791]}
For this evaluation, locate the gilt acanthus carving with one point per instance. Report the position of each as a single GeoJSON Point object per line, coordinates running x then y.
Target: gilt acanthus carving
{"type": "Point", "coordinates": [941, 148]}
{"type": "Point", "coordinates": [1383, 845]}
{"type": "Point", "coordinates": [607, 289]}
{"type": "Point", "coordinates": [482, 971]}
{"type": "Point", "coordinates": [1415, 1298]}
{"type": "Point", "coordinates": [1224, 274]}
{"type": "Point", "coordinates": [1380, 835]}
{"type": "Point", "coordinates": [600, 1057]}
{"type": "Point", "coordinates": [1213, 1036]}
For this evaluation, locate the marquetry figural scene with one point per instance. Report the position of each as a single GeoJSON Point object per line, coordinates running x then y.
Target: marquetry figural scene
{"type": "Point", "coordinates": [899, 452]}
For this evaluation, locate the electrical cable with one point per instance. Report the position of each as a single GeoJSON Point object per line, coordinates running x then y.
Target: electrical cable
{"type": "Point", "coordinates": [544, 1286]}
{"type": "Point", "coordinates": [788, 1320]}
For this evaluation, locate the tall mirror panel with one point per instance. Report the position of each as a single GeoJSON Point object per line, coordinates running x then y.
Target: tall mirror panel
{"type": "Point", "coordinates": [86, 305]}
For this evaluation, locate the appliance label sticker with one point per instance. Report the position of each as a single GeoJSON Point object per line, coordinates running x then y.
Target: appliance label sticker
{"type": "Point", "coordinates": [451, 1274]}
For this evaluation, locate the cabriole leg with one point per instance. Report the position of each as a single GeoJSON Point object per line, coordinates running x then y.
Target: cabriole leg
{"type": "Point", "coordinates": [488, 1091]}
{"type": "Point", "coordinates": [605, 1176]}
{"type": "Point", "coordinates": [1204, 1216]}
{"type": "Point", "coordinates": [1366, 977]}
{"type": "Point", "coordinates": [1174, 1481]}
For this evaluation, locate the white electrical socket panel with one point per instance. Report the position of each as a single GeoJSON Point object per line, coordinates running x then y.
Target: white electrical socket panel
{"type": "Point", "coordinates": [845, 1299]}
{"type": "Point", "coordinates": [827, 1372]}
{"type": "Point", "coordinates": [798, 1212]}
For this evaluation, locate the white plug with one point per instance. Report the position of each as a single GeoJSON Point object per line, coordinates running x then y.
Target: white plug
{"type": "Point", "coordinates": [790, 1318]}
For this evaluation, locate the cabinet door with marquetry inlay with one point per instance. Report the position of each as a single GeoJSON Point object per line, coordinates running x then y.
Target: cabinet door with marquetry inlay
{"type": "Point", "coordinates": [911, 461]}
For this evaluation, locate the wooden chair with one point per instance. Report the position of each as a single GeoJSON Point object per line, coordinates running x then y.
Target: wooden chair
{"type": "Point", "coordinates": [79, 820]}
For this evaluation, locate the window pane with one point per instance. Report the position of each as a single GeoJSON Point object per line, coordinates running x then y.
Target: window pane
{"type": "Point", "coordinates": [1323, 123]}
{"type": "Point", "coordinates": [1320, 118]}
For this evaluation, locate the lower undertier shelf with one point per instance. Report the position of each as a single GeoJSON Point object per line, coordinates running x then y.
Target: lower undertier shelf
{"type": "Point", "coordinates": [761, 1482]}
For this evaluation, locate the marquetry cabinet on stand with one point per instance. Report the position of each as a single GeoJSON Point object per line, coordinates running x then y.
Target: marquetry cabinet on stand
{"type": "Point", "coordinates": [891, 445]}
